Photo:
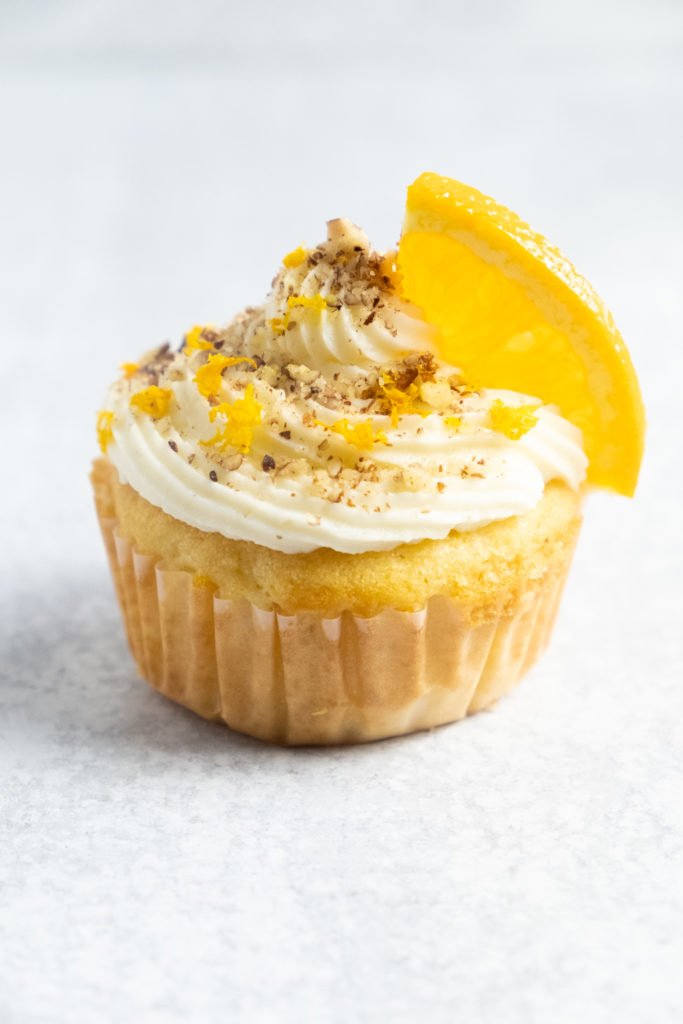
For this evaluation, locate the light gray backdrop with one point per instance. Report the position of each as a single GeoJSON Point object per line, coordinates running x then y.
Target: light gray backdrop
{"type": "Point", "coordinates": [156, 161]}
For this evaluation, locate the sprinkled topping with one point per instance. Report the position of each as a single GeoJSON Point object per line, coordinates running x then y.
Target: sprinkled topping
{"type": "Point", "coordinates": [315, 302]}
{"type": "Point", "coordinates": [362, 434]}
{"type": "Point", "coordinates": [330, 394]}
{"type": "Point", "coordinates": [209, 376]}
{"type": "Point", "coordinates": [295, 257]}
{"type": "Point", "coordinates": [279, 324]}
{"type": "Point", "coordinates": [153, 401]}
{"type": "Point", "coordinates": [512, 420]}
{"type": "Point", "coordinates": [105, 418]}
{"type": "Point", "coordinates": [194, 341]}
{"type": "Point", "coordinates": [436, 393]}
{"type": "Point", "coordinates": [401, 403]}
{"type": "Point", "coordinates": [240, 419]}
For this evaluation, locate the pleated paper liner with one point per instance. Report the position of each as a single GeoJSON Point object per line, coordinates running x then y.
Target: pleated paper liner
{"type": "Point", "coordinates": [305, 679]}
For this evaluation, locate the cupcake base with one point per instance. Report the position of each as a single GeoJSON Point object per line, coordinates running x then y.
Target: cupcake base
{"type": "Point", "coordinates": [305, 679]}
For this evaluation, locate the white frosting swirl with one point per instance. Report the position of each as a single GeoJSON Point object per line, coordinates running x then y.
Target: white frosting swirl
{"type": "Point", "coordinates": [341, 337]}
{"type": "Point", "coordinates": [303, 485]}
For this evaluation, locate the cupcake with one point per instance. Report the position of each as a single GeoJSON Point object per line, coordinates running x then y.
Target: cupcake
{"type": "Point", "coordinates": [350, 513]}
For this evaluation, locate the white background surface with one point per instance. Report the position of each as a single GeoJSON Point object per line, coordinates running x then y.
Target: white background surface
{"type": "Point", "coordinates": [526, 865]}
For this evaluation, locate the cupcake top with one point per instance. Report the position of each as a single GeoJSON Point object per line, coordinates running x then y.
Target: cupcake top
{"type": "Point", "coordinates": [325, 418]}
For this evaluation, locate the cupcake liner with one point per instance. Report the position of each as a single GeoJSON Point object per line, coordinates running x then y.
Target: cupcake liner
{"type": "Point", "coordinates": [305, 679]}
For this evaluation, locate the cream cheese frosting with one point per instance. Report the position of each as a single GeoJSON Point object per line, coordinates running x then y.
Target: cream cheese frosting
{"type": "Point", "coordinates": [324, 418]}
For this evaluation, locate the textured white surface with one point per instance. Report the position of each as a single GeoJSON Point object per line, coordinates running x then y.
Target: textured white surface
{"type": "Point", "coordinates": [523, 866]}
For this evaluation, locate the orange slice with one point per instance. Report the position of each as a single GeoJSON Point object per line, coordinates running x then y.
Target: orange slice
{"type": "Point", "coordinates": [514, 313]}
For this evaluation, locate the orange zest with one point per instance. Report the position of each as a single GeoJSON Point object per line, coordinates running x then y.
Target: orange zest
{"type": "Point", "coordinates": [194, 342]}
{"type": "Point", "coordinates": [209, 377]}
{"type": "Point", "coordinates": [279, 324]}
{"type": "Point", "coordinates": [295, 257]}
{"type": "Point", "coordinates": [240, 419]}
{"type": "Point", "coordinates": [316, 303]}
{"type": "Point", "coordinates": [153, 401]}
{"type": "Point", "coordinates": [512, 420]}
{"type": "Point", "coordinates": [361, 435]}
{"type": "Point", "coordinates": [401, 402]}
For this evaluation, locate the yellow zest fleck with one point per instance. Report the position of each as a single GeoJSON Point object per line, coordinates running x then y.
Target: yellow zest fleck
{"type": "Point", "coordinates": [208, 377]}
{"type": "Point", "coordinates": [194, 341]}
{"type": "Point", "coordinates": [317, 302]}
{"type": "Point", "coordinates": [153, 401]}
{"type": "Point", "coordinates": [362, 435]}
{"type": "Point", "coordinates": [402, 403]}
{"type": "Point", "coordinates": [240, 418]}
{"type": "Point", "coordinates": [129, 369]}
{"type": "Point", "coordinates": [279, 324]}
{"type": "Point", "coordinates": [105, 418]}
{"type": "Point", "coordinates": [295, 257]}
{"type": "Point", "coordinates": [454, 422]}
{"type": "Point", "coordinates": [512, 420]}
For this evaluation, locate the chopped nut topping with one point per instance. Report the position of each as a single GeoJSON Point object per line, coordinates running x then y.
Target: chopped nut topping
{"type": "Point", "coordinates": [302, 373]}
{"type": "Point", "coordinates": [415, 478]}
{"type": "Point", "coordinates": [347, 235]}
{"type": "Point", "coordinates": [348, 419]}
{"type": "Point", "coordinates": [437, 394]}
